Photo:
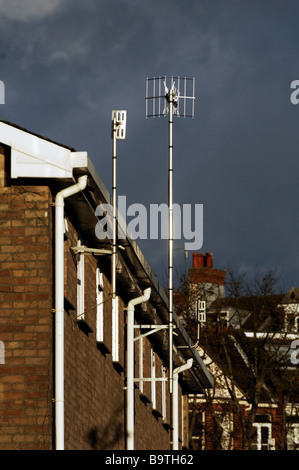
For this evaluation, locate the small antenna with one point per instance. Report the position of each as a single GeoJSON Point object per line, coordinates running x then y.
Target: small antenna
{"type": "Point", "coordinates": [177, 100]}
{"type": "Point", "coordinates": [118, 131]}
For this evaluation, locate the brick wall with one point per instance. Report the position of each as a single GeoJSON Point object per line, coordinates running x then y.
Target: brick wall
{"type": "Point", "coordinates": [94, 386]}
{"type": "Point", "coordinates": [25, 317]}
{"type": "Point", "coordinates": [94, 395]}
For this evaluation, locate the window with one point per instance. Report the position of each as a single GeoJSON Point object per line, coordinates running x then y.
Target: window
{"type": "Point", "coordinates": [262, 437]}
{"type": "Point", "coordinates": [153, 376]}
{"type": "Point", "coordinates": [115, 345]}
{"type": "Point", "coordinates": [293, 436]}
{"type": "Point", "coordinates": [164, 403]}
{"type": "Point", "coordinates": [292, 427]}
{"type": "Point", "coordinates": [291, 317]}
{"type": "Point", "coordinates": [141, 364]}
{"type": "Point", "coordinates": [224, 317]}
{"type": "Point", "coordinates": [292, 323]}
{"type": "Point", "coordinates": [80, 285]}
{"type": "Point", "coordinates": [198, 436]}
{"type": "Point", "coordinates": [100, 306]}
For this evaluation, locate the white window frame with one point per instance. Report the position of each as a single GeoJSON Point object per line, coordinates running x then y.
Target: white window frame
{"type": "Point", "coordinates": [100, 306]}
{"type": "Point", "coordinates": [291, 323]}
{"type": "Point", "coordinates": [259, 427]}
{"type": "Point", "coordinates": [291, 312]}
{"type": "Point", "coordinates": [153, 381]}
{"type": "Point", "coordinates": [115, 332]}
{"type": "Point", "coordinates": [141, 364]}
{"type": "Point", "coordinates": [80, 285]}
{"type": "Point", "coordinates": [201, 437]}
{"type": "Point", "coordinates": [293, 436]}
{"type": "Point", "coordinates": [164, 401]}
{"type": "Point", "coordinates": [224, 317]}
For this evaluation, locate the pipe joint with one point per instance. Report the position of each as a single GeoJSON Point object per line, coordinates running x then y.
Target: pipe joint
{"type": "Point", "coordinates": [141, 299]}
{"type": "Point", "coordinates": [184, 367]}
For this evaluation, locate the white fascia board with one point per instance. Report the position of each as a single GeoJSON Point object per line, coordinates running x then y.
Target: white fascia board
{"type": "Point", "coordinates": [83, 161]}
{"type": "Point", "coordinates": [80, 159]}
{"type": "Point", "coordinates": [35, 157]}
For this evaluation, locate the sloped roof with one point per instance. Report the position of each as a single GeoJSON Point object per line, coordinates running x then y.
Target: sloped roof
{"type": "Point", "coordinates": [235, 362]}
{"type": "Point", "coordinates": [263, 318]}
{"type": "Point", "coordinates": [256, 311]}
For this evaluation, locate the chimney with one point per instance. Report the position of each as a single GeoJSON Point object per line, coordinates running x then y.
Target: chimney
{"type": "Point", "coordinates": [202, 260]}
{"type": "Point", "coordinates": [209, 260]}
{"type": "Point", "coordinates": [198, 260]}
{"type": "Point", "coordinates": [203, 272]}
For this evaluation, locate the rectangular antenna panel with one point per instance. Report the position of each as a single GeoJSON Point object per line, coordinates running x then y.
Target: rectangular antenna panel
{"type": "Point", "coordinates": [121, 121]}
{"type": "Point", "coordinates": [201, 311]}
{"type": "Point", "coordinates": [185, 88]}
{"type": "Point", "coordinates": [157, 93]}
{"type": "Point", "coordinates": [155, 97]}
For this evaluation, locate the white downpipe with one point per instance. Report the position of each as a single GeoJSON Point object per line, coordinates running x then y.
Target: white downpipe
{"type": "Point", "coordinates": [175, 402]}
{"type": "Point", "coordinates": [59, 306]}
{"type": "Point", "coordinates": [130, 366]}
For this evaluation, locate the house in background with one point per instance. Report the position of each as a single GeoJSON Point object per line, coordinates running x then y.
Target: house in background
{"type": "Point", "coordinates": [247, 343]}
{"type": "Point", "coordinates": [73, 374]}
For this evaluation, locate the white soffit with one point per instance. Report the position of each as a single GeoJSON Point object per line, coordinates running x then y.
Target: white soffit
{"type": "Point", "coordinates": [34, 157]}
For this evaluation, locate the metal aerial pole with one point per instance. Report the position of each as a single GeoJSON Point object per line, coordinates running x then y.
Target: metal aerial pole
{"type": "Point", "coordinates": [119, 119]}
{"type": "Point", "coordinates": [170, 238]}
{"type": "Point", "coordinates": [113, 264]}
{"type": "Point", "coordinates": [171, 100]}
{"type": "Point", "coordinates": [118, 132]}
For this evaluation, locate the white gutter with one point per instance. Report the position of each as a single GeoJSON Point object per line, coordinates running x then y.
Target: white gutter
{"type": "Point", "coordinates": [130, 366]}
{"type": "Point", "coordinates": [59, 306]}
{"type": "Point", "coordinates": [175, 402]}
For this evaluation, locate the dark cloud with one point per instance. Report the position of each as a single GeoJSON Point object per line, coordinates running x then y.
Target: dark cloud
{"type": "Point", "coordinates": [69, 63]}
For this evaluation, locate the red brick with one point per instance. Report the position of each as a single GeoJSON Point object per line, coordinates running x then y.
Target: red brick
{"type": "Point", "coordinates": [94, 394]}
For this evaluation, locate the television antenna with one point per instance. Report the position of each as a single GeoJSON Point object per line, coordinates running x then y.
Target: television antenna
{"type": "Point", "coordinates": [158, 94]}
{"type": "Point", "coordinates": [177, 100]}
{"type": "Point", "coordinates": [119, 119]}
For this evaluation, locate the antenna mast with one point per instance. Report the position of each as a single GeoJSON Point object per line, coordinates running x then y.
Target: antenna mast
{"type": "Point", "coordinates": [119, 119]}
{"type": "Point", "coordinates": [180, 103]}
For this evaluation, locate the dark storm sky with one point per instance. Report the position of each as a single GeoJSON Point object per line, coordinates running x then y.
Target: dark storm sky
{"type": "Point", "coordinates": [66, 64]}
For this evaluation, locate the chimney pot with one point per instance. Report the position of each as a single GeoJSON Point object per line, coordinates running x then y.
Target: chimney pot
{"type": "Point", "coordinates": [198, 260]}
{"type": "Point", "coordinates": [209, 260]}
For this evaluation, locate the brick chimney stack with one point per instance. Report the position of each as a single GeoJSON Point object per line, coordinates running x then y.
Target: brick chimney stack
{"type": "Point", "coordinates": [202, 271]}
